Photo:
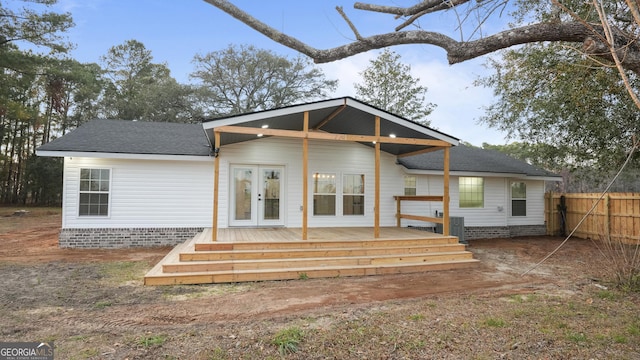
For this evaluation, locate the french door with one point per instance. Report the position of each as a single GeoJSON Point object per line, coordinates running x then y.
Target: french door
{"type": "Point", "coordinates": [256, 195]}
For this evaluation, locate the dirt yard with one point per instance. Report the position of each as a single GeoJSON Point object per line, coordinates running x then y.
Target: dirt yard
{"type": "Point", "coordinates": [93, 305]}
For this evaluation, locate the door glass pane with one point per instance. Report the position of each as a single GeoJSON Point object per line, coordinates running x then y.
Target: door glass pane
{"type": "Point", "coordinates": [271, 194]}
{"type": "Point", "coordinates": [242, 178]}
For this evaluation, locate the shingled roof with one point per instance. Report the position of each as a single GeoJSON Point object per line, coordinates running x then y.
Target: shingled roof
{"type": "Point", "coordinates": [133, 137]}
{"type": "Point", "coordinates": [161, 138]}
{"type": "Point", "coordinates": [471, 159]}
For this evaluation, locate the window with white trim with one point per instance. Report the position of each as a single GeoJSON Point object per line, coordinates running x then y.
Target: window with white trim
{"type": "Point", "coordinates": [94, 192]}
{"type": "Point", "coordinates": [324, 194]}
{"type": "Point", "coordinates": [410, 185]}
{"type": "Point", "coordinates": [353, 194]}
{"type": "Point", "coordinates": [471, 191]}
{"type": "Point", "coordinates": [518, 199]}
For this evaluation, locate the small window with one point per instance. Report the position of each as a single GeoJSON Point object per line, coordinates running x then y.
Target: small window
{"type": "Point", "coordinates": [410, 185]}
{"type": "Point", "coordinates": [471, 191]}
{"type": "Point", "coordinates": [518, 199]}
{"type": "Point", "coordinates": [353, 195]}
{"type": "Point", "coordinates": [94, 192]}
{"type": "Point", "coordinates": [324, 194]}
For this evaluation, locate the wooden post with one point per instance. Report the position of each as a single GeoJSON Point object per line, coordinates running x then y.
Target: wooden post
{"type": "Point", "coordinates": [376, 210]}
{"type": "Point", "coordinates": [305, 176]}
{"type": "Point", "coordinates": [445, 199]}
{"type": "Point", "coordinates": [216, 183]}
{"type": "Point", "coordinates": [398, 212]}
{"type": "Point", "coordinates": [607, 217]}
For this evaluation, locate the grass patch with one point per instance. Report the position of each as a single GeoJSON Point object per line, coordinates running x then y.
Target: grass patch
{"type": "Point", "coordinates": [89, 353]}
{"type": "Point", "coordinates": [119, 272]}
{"type": "Point", "coordinates": [102, 304]}
{"type": "Point", "coordinates": [152, 340]}
{"type": "Point", "coordinates": [607, 295]}
{"type": "Point", "coordinates": [495, 322]}
{"type": "Point", "coordinates": [287, 340]}
{"type": "Point", "coordinates": [620, 339]}
{"type": "Point", "coordinates": [577, 337]}
{"type": "Point", "coordinates": [416, 317]}
{"type": "Point", "coordinates": [303, 276]}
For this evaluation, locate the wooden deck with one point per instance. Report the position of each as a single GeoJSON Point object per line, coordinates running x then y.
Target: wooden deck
{"type": "Point", "coordinates": [256, 254]}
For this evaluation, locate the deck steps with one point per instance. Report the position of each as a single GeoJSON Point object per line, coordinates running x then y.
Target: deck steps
{"type": "Point", "coordinates": [200, 261]}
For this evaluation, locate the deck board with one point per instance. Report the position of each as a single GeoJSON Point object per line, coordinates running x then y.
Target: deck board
{"type": "Point", "coordinates": [258, 254]}
{"type": "Point", "coordinates": [295, 234]}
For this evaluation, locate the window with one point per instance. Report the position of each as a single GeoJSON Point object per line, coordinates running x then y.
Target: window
{"type": "Point", "coordinates": [94, 192]}
{"type": "Point", "coordinates": [353, 195]}
{"type": "Point", "coordinates": [471, 192]}
{"type": "Point", "coordinates": [410, 185]}
{"type": "Point", "coordinates": [324, 194]}
{"type": "Point", "coordinates": [518, 199]}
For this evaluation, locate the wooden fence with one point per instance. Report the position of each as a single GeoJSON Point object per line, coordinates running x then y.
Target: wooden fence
{"type": "Point", "coordinates": [617, 215]}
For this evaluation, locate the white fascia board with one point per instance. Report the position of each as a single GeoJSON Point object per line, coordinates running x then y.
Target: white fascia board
{"type": "Point", "coordinates": [403, 122]}
{"type": "Point", "coordinates": [272, 113]}
{"type": "Point", "coordinates": [122, 156]}
{"type": "Point", "coordinates": [462, 173]}
{"type": "Point", "coordinates": [482, 174]}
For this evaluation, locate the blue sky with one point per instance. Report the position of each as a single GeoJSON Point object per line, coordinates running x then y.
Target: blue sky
{"type": "Point", "coordinates": [175, 30]}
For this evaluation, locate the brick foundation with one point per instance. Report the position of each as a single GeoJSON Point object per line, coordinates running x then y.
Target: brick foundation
{"type": "Point", "coordinates": [125, 237]}
{"type": "Point", "coordinates": [489, 232]}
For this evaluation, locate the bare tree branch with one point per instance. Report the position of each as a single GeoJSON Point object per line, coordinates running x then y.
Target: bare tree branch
{"type": "Point", "coordinates": [404, 11]}
{"type": "Point", "coordinates": [457, 51]}
{"type": "Point", "coordinates": [346, 18]}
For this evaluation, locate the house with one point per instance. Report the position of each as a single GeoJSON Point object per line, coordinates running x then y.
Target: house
{"type": "Point", "coordinates": [327, 164]}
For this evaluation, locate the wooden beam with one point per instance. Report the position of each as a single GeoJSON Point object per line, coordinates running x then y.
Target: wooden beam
{"type": "Point", "coordinates": [445, 200]}
{"type": "Point", "coordinates": [216, 184]}
{"type": "Point", "coordinates": [423, 151]}
{"type": "Point", "coordinates": [305, 177]}
{"type": "Point", "coordinates": [376, 211]}
{"type": "Point", "coordinates": [419, 197]}
{"type": "Point", "coordinates": [317, 135]}
{"type": "Point", "coordinates": [331, 116]}
{"type": "Point", "coordinates": [422, 218]}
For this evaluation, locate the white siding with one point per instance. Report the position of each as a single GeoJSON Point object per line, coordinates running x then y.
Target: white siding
{"type": "Point", "coordinates": [163, 193]}
{"type": "Point", "coordinates": [144, 193]}
{"type": "Point", "coordinates": [497, 202]}
{"type": "Point", "coordinates": [535, 204]}
{"type": "Point", "coordinates": [335, 157]}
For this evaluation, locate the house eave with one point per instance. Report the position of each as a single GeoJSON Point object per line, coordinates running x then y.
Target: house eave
{"type": "Point", "coordinates": [103, 155]}
{"type": "Point", "coordinates": [482, 174]}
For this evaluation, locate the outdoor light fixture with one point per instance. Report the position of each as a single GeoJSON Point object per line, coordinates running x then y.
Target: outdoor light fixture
{"type": "Point", "coordinates": [265, 126]}
{"type": "Point", "coordinates": [393, 136]}
{"type": "Point", "coordinates": [260, 135]}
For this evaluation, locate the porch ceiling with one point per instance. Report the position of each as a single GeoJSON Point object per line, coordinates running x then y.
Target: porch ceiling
{"type": "Point", "coordinates": [339, 116]}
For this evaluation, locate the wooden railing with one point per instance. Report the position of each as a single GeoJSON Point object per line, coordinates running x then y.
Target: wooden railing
{"type": "Point", "coordinates": [438, 220]}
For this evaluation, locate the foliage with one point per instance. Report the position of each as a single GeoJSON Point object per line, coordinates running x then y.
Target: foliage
{"type": "Point", "coordinates": [28, 25]}
{"type": "Point", "coordinates": [389, 85]}
{"type": "Point", "coordinates": [287, 340]}
{"type": "Point", "coordinates": [138, 89]}
{"type": "Point", "coordinates": [242, 79]}
{"type": "Point", "coordinates": [539, 104]}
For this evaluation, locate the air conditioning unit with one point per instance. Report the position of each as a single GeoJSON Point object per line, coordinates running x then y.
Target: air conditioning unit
{"type": "Point", "coordinates": [456, 227]}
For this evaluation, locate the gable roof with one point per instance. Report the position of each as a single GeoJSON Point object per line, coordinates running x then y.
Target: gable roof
{"type": "Point", "coordinates": [344, 115]}
{"type": "Point", "coordinates": [475, 160]}
{"type": "Point", "coordinates": [132, 137]}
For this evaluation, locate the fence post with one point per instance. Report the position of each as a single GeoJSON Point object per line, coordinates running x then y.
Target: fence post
{"type": "Point", "coordinates": [607, 217]}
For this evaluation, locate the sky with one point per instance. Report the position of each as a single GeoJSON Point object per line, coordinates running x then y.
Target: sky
{"type": "Point", "coordinates": [176, 30]}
